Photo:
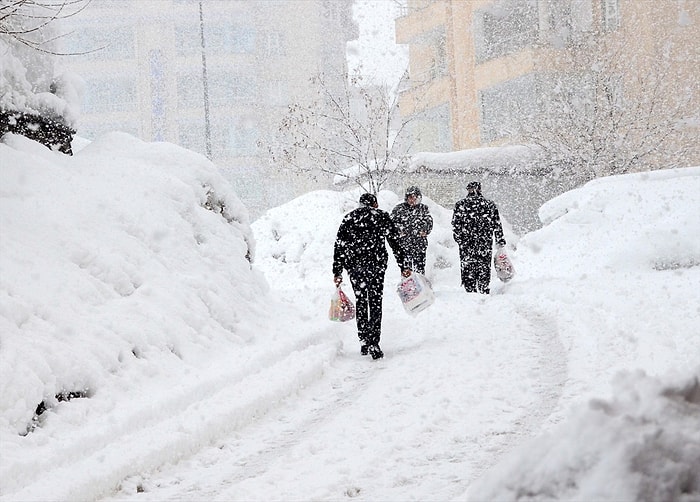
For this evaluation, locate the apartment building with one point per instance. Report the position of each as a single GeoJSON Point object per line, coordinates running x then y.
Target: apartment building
{"type": "Point", "coordinates": [484, 74]}
{"type": "Point", "coordinates": [212, 76]}
{"type": "Point", "coordinates": [480, 68]}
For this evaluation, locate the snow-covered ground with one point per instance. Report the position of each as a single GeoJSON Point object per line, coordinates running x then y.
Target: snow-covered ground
{"type": "Point", "coordinates": [198, 376]}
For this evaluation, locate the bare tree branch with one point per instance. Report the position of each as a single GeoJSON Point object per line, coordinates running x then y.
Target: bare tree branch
{"type": "Point", "coordinates": [354, 133]}
{"type": "Point", "coordinates": [612, 118]}
{"type": "Point", "coordinates": [22, 19]}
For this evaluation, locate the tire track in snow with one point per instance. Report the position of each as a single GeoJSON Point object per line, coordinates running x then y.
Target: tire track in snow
{"type": "Point", "coordinates": [553, 366]}
{"type": "Point", "coordinates": [350, 380]}
{"type": "Point", "coordinates": [216, 477]}
{"type": "Point", "coordinates": [213, 472]}
{"type": "Point", "coordinates": [198, 414]}
{"type": "Point", "coordinates": [551, 374]}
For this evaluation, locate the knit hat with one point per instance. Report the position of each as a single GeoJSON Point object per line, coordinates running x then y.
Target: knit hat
{"type": "Point", "coordinates": [414, 190]}
{"type": "Point", "coordinates": [368, 199]}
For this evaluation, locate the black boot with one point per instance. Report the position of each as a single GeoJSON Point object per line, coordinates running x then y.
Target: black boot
{"type": "Point", "coordinates": [375, 352]}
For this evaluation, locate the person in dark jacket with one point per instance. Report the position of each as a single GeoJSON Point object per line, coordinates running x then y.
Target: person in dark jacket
{"type": "Point", "coordinates": [414, 223]}
{"type": "Point", "coordinates": [475, 223]}
{"type": "Point", "coordinates": [361, 251]}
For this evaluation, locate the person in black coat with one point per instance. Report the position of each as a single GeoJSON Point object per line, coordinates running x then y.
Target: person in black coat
{"type": "Point", "coordinates": [475, 222]}
{"type": "Point", "coordinates": [361, 251]}
{"type": "Point", "coordinates": [414, 223]}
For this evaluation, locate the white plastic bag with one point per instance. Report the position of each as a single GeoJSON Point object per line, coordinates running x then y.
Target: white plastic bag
{"type": "Point", "coordinates": [415, 293]}
{"type": "Point", "coordinates": [341, 308]}
{"type": "Point", "coordinates": [503, 265]}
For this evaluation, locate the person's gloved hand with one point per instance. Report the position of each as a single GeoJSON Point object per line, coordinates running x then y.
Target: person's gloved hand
{"type": "Point", "coordinates": [406, 272]}
{"type": "Point", "coordinates": [338, 279]}
{"type": "Point", "coordinates": [501, 243]}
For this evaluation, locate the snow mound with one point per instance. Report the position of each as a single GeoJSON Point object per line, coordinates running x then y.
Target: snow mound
{"type": "Point", "coordinates": [641, 444]}
{"type": "Point", "coordinates": [123, 256]}
{"type": "Point", "coordinates": [619, 258]}
{"type": "Point", "coordinates": [647, 221]}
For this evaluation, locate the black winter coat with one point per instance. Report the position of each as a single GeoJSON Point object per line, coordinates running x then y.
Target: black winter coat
{"type": "Point", "coordinates": [360, 241]}
{"type": "Point", "coordinates": [475, 222]}
{"type": "Point", "coordinates": [411, 221]}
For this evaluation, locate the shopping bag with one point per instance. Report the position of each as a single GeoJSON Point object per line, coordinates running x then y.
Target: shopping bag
{"type": "Point", "coordinates": [341, 309]}
{"type": "Point", "coordinates": [415, 293]}
{"type": "Point", "coordinates": [503, 265]}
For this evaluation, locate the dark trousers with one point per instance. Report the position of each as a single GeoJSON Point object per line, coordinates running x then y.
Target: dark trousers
{"type": "Point", "coordinates": [415, 251]}
{"type": "Point", "coordinates": [368, 285]}
{"type": "Point", "coordinates": [476, 272]}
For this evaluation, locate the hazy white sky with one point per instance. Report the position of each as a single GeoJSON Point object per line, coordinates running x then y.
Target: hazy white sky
{"type": "Point", "coordinates": [382, 60]}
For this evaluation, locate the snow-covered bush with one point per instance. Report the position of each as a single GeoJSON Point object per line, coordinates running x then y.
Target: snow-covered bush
{"type": "Point", "coordinates": [29, 79]}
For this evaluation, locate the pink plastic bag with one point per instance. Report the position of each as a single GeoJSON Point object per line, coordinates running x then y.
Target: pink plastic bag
{"type": "Point", "coordinates": [341, 309]}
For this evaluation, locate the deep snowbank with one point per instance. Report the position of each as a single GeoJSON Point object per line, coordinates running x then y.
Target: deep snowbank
{"type": "Point", "coordinates": [643, 444]}
{"type": "Point", "coordinates": [113, 261]}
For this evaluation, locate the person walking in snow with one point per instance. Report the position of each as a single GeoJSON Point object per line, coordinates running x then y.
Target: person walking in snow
{"type": "Point", "coordinates": [360, 250]}
{"type": "Point", "coordinates": [414, 223]}
{"type": "Point", "coordinates": [475, 222]}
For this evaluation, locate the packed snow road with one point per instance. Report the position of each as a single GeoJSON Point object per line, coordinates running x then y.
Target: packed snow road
{"type": "Point", "coordinates": [460, 384]}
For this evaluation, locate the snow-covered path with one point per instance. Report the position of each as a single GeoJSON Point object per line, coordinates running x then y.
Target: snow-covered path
{"type": "Point", "coordinates": [374, 430]}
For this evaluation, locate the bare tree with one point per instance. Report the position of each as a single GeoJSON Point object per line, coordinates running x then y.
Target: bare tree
{"type": "Point", "coordinates": [615, 114]}
{"type": "Point", "coordinates": [24, 21]}
{"type": "Point", "coordinates": [354, 132]}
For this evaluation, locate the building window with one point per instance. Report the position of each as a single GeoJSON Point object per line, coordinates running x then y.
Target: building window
{"type": "Point", "coordinates": [274, 43]}
{"type": "Point", "coordinates": [611, 14]}
{"type": "Point", "coordinates": [230, 38]}
{"type": "Point", "coordinates": [432, 130]}
{"type": "Point", "coordinates": [234, 137]}
{"type": "Point", "coordinates": [506, 107]}
{"type": "Point", "coordinates": [563, 22]}
{"type": "Point", "coordinates": [505, 27]}
{"type": "Point", "coordinates": [334, 10]}
{"type": "Point", "coordinates": [190, 91]}
{"type": "Point", "coordinates": [101, 43]}
{"type": "Point", "coordinates": [110, 94]}
{"type": "Point", "coordinates": [226, 89]}
{"type": "Point", "coordinates": [242, 139]}
{"type": "Point", "coordinates": [188, 40]}
{"type": "Point", "coordinates": [439, 60]}
{"type": "Point", "coordinates": [278, 92]}
{"type": "Point", "coordinates": [191, 134]}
